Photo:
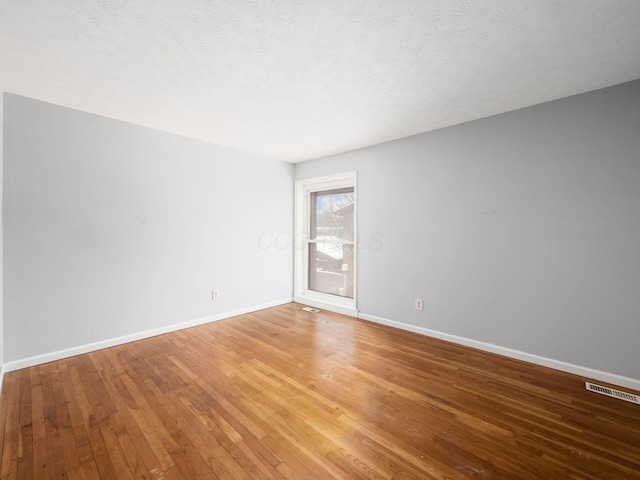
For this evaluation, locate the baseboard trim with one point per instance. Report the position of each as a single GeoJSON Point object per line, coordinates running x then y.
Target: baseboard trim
{"type": "Point", "coordinates": [508, 352]}
{"type": "Point", "coordinates": [326, 306]}
{"type": "Point", "coordinates": [70, 352]}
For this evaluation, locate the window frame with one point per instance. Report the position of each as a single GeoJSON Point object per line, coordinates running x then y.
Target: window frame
{"type": "Point", "coordinates": [302, 293]}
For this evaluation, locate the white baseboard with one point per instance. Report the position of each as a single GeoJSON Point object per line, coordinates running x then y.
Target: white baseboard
{"type": "Point", "coordinates": [70, 352]}
{"type": "Point", "coordinates": [508, 352]}
{"type": "Point", "coordinates": [326, 306]}
{"type": "Point", "coordinates": [1, 378]}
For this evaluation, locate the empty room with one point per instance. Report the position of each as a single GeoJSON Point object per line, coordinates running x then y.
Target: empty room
{"type": "Point", "coordinates": [285, 239]}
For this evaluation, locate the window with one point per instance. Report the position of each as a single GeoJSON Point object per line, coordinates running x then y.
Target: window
{"type": "Point", "coordinates": [330, 242]}
{"type": "Point", "coordinates": [326, 242]}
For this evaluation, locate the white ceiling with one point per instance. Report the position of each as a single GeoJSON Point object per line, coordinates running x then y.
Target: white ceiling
{"type": "Point", "coordinates": [301, 79]}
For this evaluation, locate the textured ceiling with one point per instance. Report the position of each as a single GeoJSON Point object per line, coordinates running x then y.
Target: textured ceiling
{"type": "Point", "coordinates": [301, 79]}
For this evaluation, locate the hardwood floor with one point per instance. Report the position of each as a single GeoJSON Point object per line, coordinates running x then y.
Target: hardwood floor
{"type": "Point", "coordinates": [287, 394]}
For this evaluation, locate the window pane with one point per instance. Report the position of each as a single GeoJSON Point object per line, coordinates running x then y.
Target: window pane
{"type": "Point", "coordinates": [331, 268]}
{"type": "Point", "coordinates": [332, 215]}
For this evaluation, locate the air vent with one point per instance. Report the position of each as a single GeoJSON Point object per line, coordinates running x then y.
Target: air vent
{"type": "Point", "coordinates": [610, 392]}
{"type": "Point", "coordinates": [309, 309]}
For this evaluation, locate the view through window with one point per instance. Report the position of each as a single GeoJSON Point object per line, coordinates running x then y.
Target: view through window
{"type": "Point", "coordinates": [331, 242]}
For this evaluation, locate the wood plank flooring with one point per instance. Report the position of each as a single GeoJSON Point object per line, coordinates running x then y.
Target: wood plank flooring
{"type": "Point", "coordinates": [286, 394]}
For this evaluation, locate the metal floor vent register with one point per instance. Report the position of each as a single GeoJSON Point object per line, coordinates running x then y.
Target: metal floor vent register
{"type": "Point", "coordinates": [309, 309]}
{"type": "Point", "coordinates": [610, 392]}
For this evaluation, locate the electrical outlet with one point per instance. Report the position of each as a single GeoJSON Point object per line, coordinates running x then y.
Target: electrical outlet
{"type": "Point", "coordinates": [215, 294]}
{"type": "Point", "coordinates": [419, 304]}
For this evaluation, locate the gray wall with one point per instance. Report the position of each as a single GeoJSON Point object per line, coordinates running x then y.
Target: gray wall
{"type": "Point", "coordinates": [520, 230]}
{"type": "Point", "coordinates": [1, 232]}
{"type": "Point", "coordinates": [113, 229]}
